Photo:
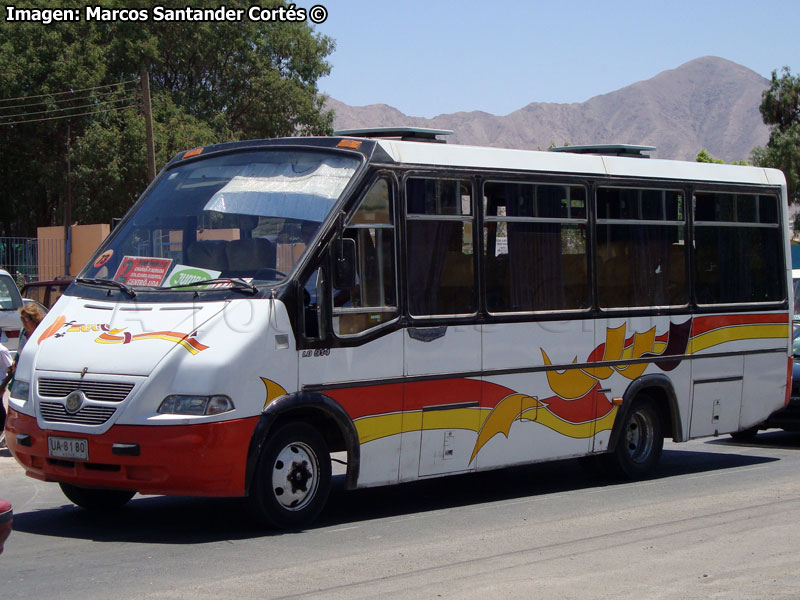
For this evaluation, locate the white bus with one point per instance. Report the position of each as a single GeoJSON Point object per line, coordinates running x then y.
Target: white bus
{"type": "Point", "coordinates": [423, 309]}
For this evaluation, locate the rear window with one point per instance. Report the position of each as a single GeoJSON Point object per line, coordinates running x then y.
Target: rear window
{"type": "Point", "coordinates": [44, 292]}
{"type": "Point", "coordinates": [9, 294]}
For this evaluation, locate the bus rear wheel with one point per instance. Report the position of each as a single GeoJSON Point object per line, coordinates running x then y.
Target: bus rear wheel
{"type": "Point", "coordinates": [641, 441]}
{"type": "Point", "coordinates": [293, 477]}
{"type": "Point", "coordinates": [96, 499]}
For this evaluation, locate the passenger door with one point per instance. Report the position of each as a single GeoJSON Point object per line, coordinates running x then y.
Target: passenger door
{"type": "Point", "coordinates": [443, 345]}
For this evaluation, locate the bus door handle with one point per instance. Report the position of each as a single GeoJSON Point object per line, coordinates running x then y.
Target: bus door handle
{"type": "Point", "coordinates": [426, 334]}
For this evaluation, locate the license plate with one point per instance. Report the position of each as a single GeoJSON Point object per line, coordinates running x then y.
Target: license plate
{"type": "Point", "coordinates": [64, 447]}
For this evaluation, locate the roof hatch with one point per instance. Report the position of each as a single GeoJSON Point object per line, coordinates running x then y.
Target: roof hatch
{"type": "Point", "coordinates": [410, 134]}
{"type": "Point", "coordinates": [607, 150]}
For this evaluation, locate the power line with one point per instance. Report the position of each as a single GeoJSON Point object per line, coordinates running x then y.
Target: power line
{"type": "Point", "coordinates": [56, 100]}
{"type": "Point", "coordinates": [55, 110]}
{"type": "Point", "coordinates": [94, 112]}
{"type": "Point", "coordinates": [97, 87]}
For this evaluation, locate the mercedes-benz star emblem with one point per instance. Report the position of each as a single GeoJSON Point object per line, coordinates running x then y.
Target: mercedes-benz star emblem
{"type": "Point", "coordinates": [74, 401]}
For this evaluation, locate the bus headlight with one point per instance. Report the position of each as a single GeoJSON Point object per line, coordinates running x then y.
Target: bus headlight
{"type": "Point", "coordinates": [178, 404]}
{"type": "Point", "coordinates": [20, 390]}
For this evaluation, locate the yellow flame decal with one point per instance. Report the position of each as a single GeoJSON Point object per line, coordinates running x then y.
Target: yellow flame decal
{"type": "Point", "coordinates": [569, 384]}
{"type": "Point", "coordinates": [642, 343]}
{"type": "Point", "coordinates": [274, 390]}
{"type": "Point", "coordinates": [574, 430]}
{"type": "Point", "coordinates": [501, 418]}
{"type": "Point", "coordinates": [615, 344]}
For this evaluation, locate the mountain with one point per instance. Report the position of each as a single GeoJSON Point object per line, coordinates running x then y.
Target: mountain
{"type": "Point", "coordinates": [708, 103]}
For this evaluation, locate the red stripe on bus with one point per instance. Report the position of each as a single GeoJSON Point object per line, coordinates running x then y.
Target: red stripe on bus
{"type": "Point", "coordinates": [365, 401]}
{"type": "Point", "coordinates": [704, 324]}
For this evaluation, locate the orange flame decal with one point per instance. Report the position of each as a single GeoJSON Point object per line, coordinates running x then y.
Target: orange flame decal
{"type": "Point", "coordinates": [53, 329]}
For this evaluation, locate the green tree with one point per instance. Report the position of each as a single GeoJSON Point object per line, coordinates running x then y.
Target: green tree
{"type": "Point", "coordinates": [117, 142]}
{"type": "Point", "coordinates": [705, 157]}
{"type": "Point", "coordinates": [210, 82]}
{"type": "Point", "coordinates": [780, 109]}
{"type": "Point", "coordinates": [38, 64]}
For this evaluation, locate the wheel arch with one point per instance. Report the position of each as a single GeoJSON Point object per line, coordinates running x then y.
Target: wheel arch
{"type": "Point", "coordinates": [314, 408]}
{"type": "Point", "coordinates": [659, 388]}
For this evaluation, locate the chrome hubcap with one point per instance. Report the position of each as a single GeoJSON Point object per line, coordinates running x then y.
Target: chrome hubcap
{"type": "Point", "coordinates": [295, 476]}
{"type": "Point", "coordinates": [639, 436]}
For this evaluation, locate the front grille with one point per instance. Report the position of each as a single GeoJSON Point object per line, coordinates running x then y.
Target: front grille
{"type": "Point", "coordinates": [54, 412]}
{"type": "Point", "coordinates": [105, 391]}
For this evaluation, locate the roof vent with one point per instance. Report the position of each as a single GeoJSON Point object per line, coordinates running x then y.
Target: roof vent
{"type": "Point", "coordinates": [409, 134]}
{"type": "Point", "coordinates": [608, 150]}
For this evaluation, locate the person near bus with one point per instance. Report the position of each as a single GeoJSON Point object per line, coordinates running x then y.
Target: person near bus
{"type": "Point", "coordinates": [30, 315]}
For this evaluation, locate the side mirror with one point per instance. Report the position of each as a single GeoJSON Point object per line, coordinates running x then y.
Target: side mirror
{"type": "Point", "coordinates": [344, 263]}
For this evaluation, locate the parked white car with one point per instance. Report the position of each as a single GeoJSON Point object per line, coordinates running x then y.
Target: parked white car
{"type": "Point", "coordinates": [10, 302]}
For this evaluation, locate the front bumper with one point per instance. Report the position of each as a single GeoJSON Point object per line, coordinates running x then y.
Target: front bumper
{"type": "Point", "coordinates": [206, 459]}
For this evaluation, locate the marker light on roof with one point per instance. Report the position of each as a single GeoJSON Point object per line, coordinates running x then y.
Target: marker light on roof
{"type": "Point", "coordinates": [193, 152]}
{"type": "Point", "coordinates": [350, 144]}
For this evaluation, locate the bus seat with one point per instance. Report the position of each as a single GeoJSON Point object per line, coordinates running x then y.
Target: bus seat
{"type": "Point", "coordinates": [208, 254]}
{"type": "Point", "coordinates": [250, 255]}
{"type": "Point", "coordinates": [457, 283]}
{"type": "Point", "coordinates": [614, 283]}
{"type": "Point", "coordinates": [676, 275]}
{"type": "Point", "coordinates": [352, 323]}
{"type": "Point", "coordinates": [287, 254]}
{"type": "Point", "coordinates": [576, 281]}
{"type": "Point", "coordinates": [457, 270]}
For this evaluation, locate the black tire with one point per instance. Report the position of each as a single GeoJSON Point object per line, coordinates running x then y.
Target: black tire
{"type": "Point", "coordinates": [293, 477]}
{"type": "Point", "coordinates": [745, 435]}
{"type": "Point", "coordinates": [96, 499]}
{"type": "Point", "coordinates": [640, 442]}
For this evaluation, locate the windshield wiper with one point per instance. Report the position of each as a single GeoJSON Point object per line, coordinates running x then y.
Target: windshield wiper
{"type": "Point", "coordinates": [108, 283]}
{"type": "Point", "coordinates": [237, 284]}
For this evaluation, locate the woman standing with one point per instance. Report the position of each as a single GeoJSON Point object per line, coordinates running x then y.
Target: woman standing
{"type": "Point", "coordinates": [30, 315]}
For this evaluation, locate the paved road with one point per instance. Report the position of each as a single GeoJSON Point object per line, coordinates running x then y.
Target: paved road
{"type": "Point", "coordinates": [719, 521]}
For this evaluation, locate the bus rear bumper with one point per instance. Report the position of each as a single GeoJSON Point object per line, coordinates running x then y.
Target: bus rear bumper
{"type": "Point", "coordinates": [207, 459]}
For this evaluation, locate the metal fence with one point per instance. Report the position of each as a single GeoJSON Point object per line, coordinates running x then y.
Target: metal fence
{"type": "Point", "coordinates": [32, 259]}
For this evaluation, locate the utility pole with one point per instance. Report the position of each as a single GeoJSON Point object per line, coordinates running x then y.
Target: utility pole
{"type": "Point", "coordinates": [68, 210]}
{"type": "Point", "coordinates": [148, 125]}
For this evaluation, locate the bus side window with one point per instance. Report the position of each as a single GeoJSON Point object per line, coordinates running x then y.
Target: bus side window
{"type": "Point", "coordinates": [535, 246]}
{"type": "Point", "coordinates": [738, 248]}
{"type": "Point", "coordinates": [373, 299]}
{"type": "Point", "coordinates": [641, 247]}
{"type": "Point", "coordinates": [441, 269]}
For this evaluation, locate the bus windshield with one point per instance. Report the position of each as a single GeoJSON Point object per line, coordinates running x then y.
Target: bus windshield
{"type": "Point", "coordinates": [248, 216]}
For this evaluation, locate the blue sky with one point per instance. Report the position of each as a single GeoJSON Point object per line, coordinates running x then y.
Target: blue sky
{"type": "Point", "coordinates": [441, 56]}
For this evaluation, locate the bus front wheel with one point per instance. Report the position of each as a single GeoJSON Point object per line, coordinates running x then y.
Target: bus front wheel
{"type": "Point", "coordinates": [293, 477]}
{"type": "Point", "coordinates": [641, 441]}
{"type": "Point", "coordinates": [96, 499]}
